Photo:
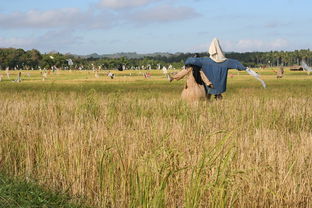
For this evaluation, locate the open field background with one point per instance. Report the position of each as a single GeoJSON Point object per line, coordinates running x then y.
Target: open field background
{"type": "Point", "coordinates": [131, 142]}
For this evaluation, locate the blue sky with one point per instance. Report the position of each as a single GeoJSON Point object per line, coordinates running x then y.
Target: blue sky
{"type": "Point", "coordinates": [145, 26]}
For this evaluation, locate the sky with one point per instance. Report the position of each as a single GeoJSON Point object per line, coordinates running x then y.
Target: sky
{"type": "Point", "coordinates": [146, 26]}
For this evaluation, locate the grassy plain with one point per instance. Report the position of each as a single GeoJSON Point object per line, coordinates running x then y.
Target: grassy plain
{"type": "Point", "coordinates": [131, 141]}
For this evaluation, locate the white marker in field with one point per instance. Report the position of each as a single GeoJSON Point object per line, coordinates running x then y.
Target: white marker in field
{"type": "Point", "coordinates": [70, 62]}
{"type": "Point", "coordinates": [19, 77]}
{"type": "Point", "coordinates": [306, 67]}
{"type": "Point", "coordinates": [96, 74]}
{"type": "Point", "coordinates": [164, 69]}
{"type": "Point", "coordinates": [158, 66]}
{"type": "Point", "coordinates": [44, 75]}
{"type": "Point", "coordinates": [7, 72]}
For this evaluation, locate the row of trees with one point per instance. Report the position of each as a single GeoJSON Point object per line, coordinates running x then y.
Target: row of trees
{"type": "Point", "coordinates": [19, 58]}
{"type": "Point", "coordinates": [273, 58]}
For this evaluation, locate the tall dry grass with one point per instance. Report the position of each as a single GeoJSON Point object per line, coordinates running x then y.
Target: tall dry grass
{"type": "Point", "coordinates": [146, 149]}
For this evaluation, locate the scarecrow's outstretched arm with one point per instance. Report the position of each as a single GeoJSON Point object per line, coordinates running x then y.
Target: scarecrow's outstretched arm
{"type": "Point", "coordinates": [182, 73]}
{"type": "Point", "coordinates": [255, 75]}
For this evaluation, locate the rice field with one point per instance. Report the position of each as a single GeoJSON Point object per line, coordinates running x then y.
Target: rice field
{"type": "Point", "coordinates": [131, 142]}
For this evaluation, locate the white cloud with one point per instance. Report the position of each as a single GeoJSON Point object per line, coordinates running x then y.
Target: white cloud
{"type": "Point", "coordinates": [58, 24]}
{"type": "Point", "coordinates": [63, 40]}
{"type": "Point", "coordinates": [246, 45]}
{"type": "Point", "coordinates": [163, 13]}
{"type": "Point", "coordinates": [122, 4]}
{"type": "Point", "coordinates": [274, 24]}
{"type": "Point", "coordinates": [279, 43]}
{"type": "Point", "coordinates": [98, 17]}
{"type": "Point", "coordinates": [199, 48]}
{"type": "Point", "coordinates": [255, 45]}
{"type": "Point", "coordinates": [15, 42]}
{"type": "Point", "coordinates": [69, 17]}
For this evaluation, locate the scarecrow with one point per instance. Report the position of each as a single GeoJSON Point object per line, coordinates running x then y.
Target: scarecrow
{"type": "Point", "coordinates": [216, 68]}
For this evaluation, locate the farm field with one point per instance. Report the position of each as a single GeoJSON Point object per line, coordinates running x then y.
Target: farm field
{"type": "Point", "coordinates": [131, 142]}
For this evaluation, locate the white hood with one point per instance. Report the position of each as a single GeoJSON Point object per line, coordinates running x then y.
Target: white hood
{"type": "Point", "coordinates": [216, 52]}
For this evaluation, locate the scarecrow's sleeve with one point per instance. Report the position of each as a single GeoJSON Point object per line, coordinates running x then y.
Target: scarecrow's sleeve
{"type": "Point", "coordinates": [234, 64]}
{"type": "Point", "coordinates": [182, 73]}
{"type": "Point", "coordinates": [194, 61]}
{"type": "Point", "coordinates": [205, 78]}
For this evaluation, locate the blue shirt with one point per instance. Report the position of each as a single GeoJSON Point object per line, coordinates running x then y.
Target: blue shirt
{"type": "Point", "coordinates": [216, 72]}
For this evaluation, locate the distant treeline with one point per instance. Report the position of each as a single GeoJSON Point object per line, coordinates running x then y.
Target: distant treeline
{"type": "Point", "coordinates": [33, 59]}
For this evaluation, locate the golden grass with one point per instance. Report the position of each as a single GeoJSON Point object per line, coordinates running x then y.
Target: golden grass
{"type": "Point", "coordinates": [146, 148]}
